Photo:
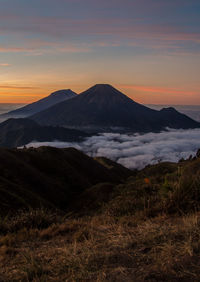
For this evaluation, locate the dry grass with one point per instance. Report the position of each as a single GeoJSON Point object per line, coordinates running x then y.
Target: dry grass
{"type": "Point", "coordinates": [100, 249]}
{"type": "Point", "coordinates": [144, 229]}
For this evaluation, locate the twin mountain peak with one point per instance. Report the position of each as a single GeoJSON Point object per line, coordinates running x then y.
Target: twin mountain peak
{"type": "Point", "coordinates": [101, 108]}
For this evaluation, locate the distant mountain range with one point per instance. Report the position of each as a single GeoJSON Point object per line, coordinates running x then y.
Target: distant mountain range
{"type": "Point", "coordinates": [104, 108]}
{"type": "Point", "coordinates": [66, 116]}
{"type": "Point", "coordinates": [43, 104]}
{"type": "Point", "coordinates": [19, 132]}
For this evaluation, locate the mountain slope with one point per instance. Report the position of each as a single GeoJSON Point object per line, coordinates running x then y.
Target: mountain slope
{"type": "Point", "coordinates": [174, 119]}
{"type": "Point", "coordinates": [33, 108]}
{"type": "Point", "coordinates": [144, 229]}
{"type": "Point", "coordinates": [19, 132]}
{"type": "Point", "coordinates": [102, 107]}
{"type": "Point", "coordinates": [48, 177]}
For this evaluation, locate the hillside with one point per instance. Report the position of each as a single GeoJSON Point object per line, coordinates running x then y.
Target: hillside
{"type": "Point", "coordinates": [42, 104]}
{"type": "Point", "coordinates": [139, 226]}
{"type": "Point", "coordinates": [49, 177]}
{"type": "Point", "coordinates": [104, 108]}
{"type": "Point", "coordinates": [19, 132]}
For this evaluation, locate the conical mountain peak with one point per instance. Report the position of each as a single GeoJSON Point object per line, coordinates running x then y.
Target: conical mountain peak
{"type": "Point", "coordinates": [62, 92]}
{"type": "Point", "coordinates": [104, 108]}
{"type": "Point", "coordinates": [102, 88]}
{"type": "Point", "coordinates": [103, 93]}
{"type": "Point", "coordinates": [43, 104]}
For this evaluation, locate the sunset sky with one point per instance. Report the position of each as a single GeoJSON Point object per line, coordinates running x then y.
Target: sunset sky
{"type": "Point", "coordinates": [148, 49]}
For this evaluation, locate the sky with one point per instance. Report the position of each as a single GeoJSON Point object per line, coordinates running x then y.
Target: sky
{"type": "Point", "coordinates": [148, 49]}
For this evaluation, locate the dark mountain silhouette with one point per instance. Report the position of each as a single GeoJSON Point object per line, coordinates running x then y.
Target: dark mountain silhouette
{"type": "Point", "coordinates": [102, 107]}
{"type": "Point", "coordinates": [33, 108]}
{"type": "Point", "coordinates": [174, 119]}
{"type": "Point", "coordinates": [19, 132]}
{"type": "Point", "coordinates": [49, 177]}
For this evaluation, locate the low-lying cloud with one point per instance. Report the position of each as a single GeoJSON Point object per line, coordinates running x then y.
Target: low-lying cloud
{"type": "Point", "coordinates": [137, 151]}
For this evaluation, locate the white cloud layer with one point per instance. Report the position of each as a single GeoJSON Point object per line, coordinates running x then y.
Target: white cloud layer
{"type": "Point", "coordinates": [137, 151]}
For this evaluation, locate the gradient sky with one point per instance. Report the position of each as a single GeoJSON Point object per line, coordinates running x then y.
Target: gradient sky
{"type": "Point", "coordinates": [149, 49]}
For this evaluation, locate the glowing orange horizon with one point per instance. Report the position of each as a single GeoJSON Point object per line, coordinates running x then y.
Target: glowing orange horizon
{"type": "Point", "coordinates": [140, 93]}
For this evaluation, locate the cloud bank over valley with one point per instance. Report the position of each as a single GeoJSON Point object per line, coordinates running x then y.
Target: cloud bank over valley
{"type": "Point", "coordinates": [137, 151]}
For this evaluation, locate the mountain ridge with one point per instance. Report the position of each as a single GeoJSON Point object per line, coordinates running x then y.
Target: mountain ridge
{"type": "Point", "coordinates": [49, 177]}
{"type": "Point", "coordinates": [102, 107]}
{"type": "Point", "coordinates": [42, 104]}
{"type": "Point", "coordinates": [21, 131]}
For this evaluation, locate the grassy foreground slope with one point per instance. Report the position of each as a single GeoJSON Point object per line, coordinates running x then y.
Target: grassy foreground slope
{"type": "Point", "coordinates": [145, 227]}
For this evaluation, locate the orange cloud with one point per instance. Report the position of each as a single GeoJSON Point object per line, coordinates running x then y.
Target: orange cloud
{"type": "Point", "coordinates": [161, 90]}
{"type": "Point", "coordinates": [39, 47]}
{"type": "Point", "coordinates": [14, 49]}
{"type": "Point", "coordinates": [17, 87]}
{"type": "Point", "coordinates": [4, 65]}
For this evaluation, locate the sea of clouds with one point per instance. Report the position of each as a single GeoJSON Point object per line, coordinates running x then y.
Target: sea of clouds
{"type": "Point", "coordinates": [137, 150]}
